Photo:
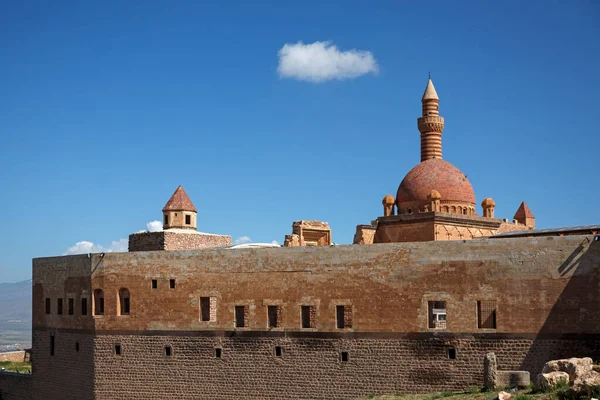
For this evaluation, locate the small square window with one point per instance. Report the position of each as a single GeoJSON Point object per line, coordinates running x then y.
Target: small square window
{"type": "Point", "coordinates": [344, 356]}
{"type": "Point", "coordinates": [168, 351]}
{"type": "Point", "coordinates": [452, 353]}
{"type": "Point", "coordinates": [278, 351]}
{"type": "Point", "coordinates": [172, 283]}
{"type": "Point", "coordinates": [188, 219]}
{"type": "Point", "coordinates": [218, 352]}
{"type": "Point", "coordinates": [118, 349]}
{"type": "Point", "coordinates": [154, 284]}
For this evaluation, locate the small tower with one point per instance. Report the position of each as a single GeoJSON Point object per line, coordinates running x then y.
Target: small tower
{"type": "Point", "coordinates": [434, 198]}
{"type": "Point", "coordinates": [488, 207]}
{"type": "Point", "coordinates": [430, 124]}
{"type": "Point", "coordinates": [179, 212]}
{"type": "Point", "coordinates": [388, 205]}
{"type": "Point", "coordinates": [524, 216]}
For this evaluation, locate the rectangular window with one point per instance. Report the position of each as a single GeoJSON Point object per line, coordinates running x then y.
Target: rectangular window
{"type": "Point", "coordinates": [343, 317]}
{"type": "Point", "coordinates": [166, 219]}
{"type": "Point", "coordinates": [48, 305]}
{"type": "Point", "coordinates": [172, 283]}
{"type": "Point", "coordinates": [71, 306]}
{"type": "Point", "coordinates": [278, 351]}
{"type": "Point", "coordinates": [118, 349]}
{"type": "Point", "coordinates": [168, 351]}
{"type": "Point", "coordinates": [77, 347]}
{"type": "Point", "coordinates": [208, 309]}
{"type": "Point", "coordinates": [218, 352]}
{"type": "Point", "coordinates": [308, 316]}
{"type": "Point", "coordinates": [188, 219]}
{"type": "Point", "coordinates": [274, 314]}
{"type": "Point", "coordinates": [240, 316]}
{"type": "Point", "coordinates": [59, 305]}
{"type": "Point", "coordinates": [154, 284]}
{"type": "Point", "coordinates": [452, 353]}
{"type": "Point", "coordinates": [486, 314]}
{"type": "Point", "coordinates": [84, 306]}
{"type": "Point", "coordinates": [437, 314]}
{"type": "Point", "coordinates": [345, 356]}
{"type": "Point", "coordinates": [51, 345]}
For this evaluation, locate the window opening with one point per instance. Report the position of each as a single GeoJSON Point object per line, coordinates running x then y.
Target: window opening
{"type": "Point", "coordinates": [48, 306]}
{"type": "Point", "coordinates": [188, 219]}
{"type": "Point", "coordinates": [437, 314]}
{"type": "Point", "coordinates": [118, 349]}
{"type": "Point", "coordinates": [278, 351]}
{"type": "Point", "coordinates": [166, 220]}
{"type": "Point", "coordinates": [274, 314]}
{"type": "Point", "coordinates": [345, 357]}
{"type": "Point", "coordinates": [168, 351]}
{"type": "Point", "coordinates": [124, 302]}
{"type": "Point", "coordinates": [51, 345]}
{"type": "Point", "coordinates": [452, 353]}
{"type": "Point", "coordinates": [205, 308]}
{"type": "Point", "coordinates": [98, 302]}
{"type": "Point", "coordinates": [308, 317]}
{"type": "Point", "coordinates": [59, 306]}
{"type": "Point", "coordinates": [218, 352]}
{"type": "Point", "coordinates": [343, 316]}
{"type": "Point", "coordinates": [83, 306]}
{"type": "Point", "coordinates": [154, 284]}
{"type": "Point", "coordinates": [240, 316]}
{"type": "Point", "coordinates": [71, 306]}
{"type": "Point", "coordinates": [486, 314]}
{"type": "Point", "coordinates": [77, 347]}
{"type": "Point", "coordinates": [172, 283]}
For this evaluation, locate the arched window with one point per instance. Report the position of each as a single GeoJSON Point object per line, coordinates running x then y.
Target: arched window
{"type": "Point", "coordinates": [124, 302]}
{"type": "Point", "coordinates": [98, 302]}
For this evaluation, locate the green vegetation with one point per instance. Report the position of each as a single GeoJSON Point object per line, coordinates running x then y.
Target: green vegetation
{"type": "Point", "coordinates": [20, 367]}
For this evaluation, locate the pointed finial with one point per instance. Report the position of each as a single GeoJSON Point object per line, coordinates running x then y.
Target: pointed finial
{"type": "Point", "coordinates": [429, 74]}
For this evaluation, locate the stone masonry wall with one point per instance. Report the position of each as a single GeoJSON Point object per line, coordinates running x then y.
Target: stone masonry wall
{"type": "Point", "coordinates": [309, 368]}
{"type": "Point", "coordinates": [15, 386]}
{"type": "Point", "coordinates": [14, 356]}
{"type": "Point", "coordinates": [175, 240]}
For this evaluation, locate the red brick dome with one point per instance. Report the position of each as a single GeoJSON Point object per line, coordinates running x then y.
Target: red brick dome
{"type": "Point", "coordinates": [435, 174]}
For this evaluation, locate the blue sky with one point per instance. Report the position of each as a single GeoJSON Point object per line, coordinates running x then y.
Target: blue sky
{"type": "Point", "coordinates": [105, 107]}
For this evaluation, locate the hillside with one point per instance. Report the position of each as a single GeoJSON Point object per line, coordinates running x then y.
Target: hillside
{"type": "Point", "coordinates": [15, 315]}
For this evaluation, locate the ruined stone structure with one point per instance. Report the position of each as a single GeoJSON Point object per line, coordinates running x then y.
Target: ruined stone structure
{"type": "Point", "coordinates": [179, 229]}
{"type": "Point", "coordinates": [309, 233]}
{"type": "Point", "coordinates": [435, 200]}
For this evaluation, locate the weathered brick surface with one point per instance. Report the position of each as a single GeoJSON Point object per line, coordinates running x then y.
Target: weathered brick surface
{"type": "Point", "coordinates": [545, 290]}
{"type": "Point", "coordinates": [15, 386]}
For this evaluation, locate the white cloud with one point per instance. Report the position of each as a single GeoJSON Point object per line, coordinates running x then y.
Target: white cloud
{"type": "Point", "coordinates": [154, 226]}
{"type": "Point", "coordinates": [276, 242]}
{"type": "Point", "coordinates": [84, 247]}
{"type": "Point", "coordinates": [322, 61]}
{"type": "Point", "coordinates": [242, 240]}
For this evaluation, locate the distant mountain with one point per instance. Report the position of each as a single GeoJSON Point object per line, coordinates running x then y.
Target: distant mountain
{"type": "Point", "coordinates": [15, 300]}
{"type": "Point", "coordinates": [15, 315]}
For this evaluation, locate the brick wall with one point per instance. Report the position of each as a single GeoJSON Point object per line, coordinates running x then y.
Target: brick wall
{"type": "Point", "coordinates": [15, 386]}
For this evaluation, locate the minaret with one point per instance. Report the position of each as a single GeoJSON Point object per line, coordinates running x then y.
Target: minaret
{"type": "Point", "coordinates": [430, 124]}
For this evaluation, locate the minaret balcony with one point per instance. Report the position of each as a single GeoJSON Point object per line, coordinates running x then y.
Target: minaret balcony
{"type": "Point", "coordinates": [430, 123]}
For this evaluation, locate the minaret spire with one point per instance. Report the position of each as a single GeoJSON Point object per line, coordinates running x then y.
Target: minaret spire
{"type": "Point", "coordinates": [430, 124]}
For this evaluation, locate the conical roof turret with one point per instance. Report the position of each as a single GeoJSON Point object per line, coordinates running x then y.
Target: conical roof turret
{"type": "Point", "coordinates": [180, 201]}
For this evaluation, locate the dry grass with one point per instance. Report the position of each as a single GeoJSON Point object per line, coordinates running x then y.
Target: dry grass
{"type": "Point", "coordinates": [465, 395]}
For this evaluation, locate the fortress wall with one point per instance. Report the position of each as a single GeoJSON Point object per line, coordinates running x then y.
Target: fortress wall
{"type": "Point", "coordinates": [68, 374]}
{"type": "Point", "coordinates": [388, 286]}
{"type": "Point", "coordinates": [309, 368]}
{"type": "Point", "coordinates": [166, 240]}
{"type": "Point", "coordinates": [15, 386]}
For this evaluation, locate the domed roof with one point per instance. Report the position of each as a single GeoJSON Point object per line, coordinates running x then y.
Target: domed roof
{"type": "Point", "coordinates": [488, 202]}
{"type": "Point", "coordinates": [435, 174]}
{"type": "Point", "coordinates": [388, 200]}
{"type": "Point", "coordinates": [434, 195]}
